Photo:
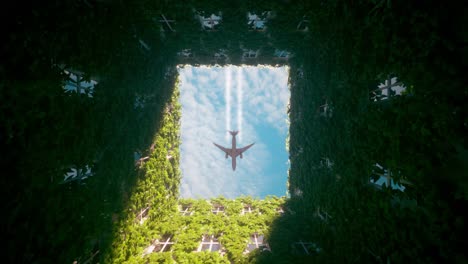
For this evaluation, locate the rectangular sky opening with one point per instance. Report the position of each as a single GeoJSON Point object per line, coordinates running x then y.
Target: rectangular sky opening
{"type": "Point", "coordinates": [248, 99]}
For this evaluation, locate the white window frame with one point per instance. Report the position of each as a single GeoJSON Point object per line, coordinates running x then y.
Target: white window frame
{"type": "Point", "coordinates": [184, 209]}
{"type": "Point", "coordinates": [143, 215]}
{"type": "Point", "coordinates": [247, 209]}
{"type": "Point", "coordinates": [186, 54]}
{"type": "Point", "coordinates": [304, 245]}
{"type": "Point", "coordinates": [388, 179]}
{"type": "Point", "coordinates": [210, 23]}
{"type": "Point", "coordinates": [280, 210]}
{"type": "Point", "coordinates": [77, 174]}
{"type": "Point", "coordinates": [165, 243]}
{"type": "Point", "coordinates": [250, 54]}
{"type": "Point", "coordinates": [282, 54]}
{"type": "Point", "coordinates": [323, 215]}
{"type": "Point", "coordinates": [217, 209]}
{"type": "Point", "coordinates": [254, 240]}
{"type": "Point", "coordinates": [256, 23]}
{"type": "Point", "coordinates": [80, 86]}
{"type": "Point", "coordinates": [166, 21]}
{"type": "Point", "coordinates": [325, 110]}
{"type": "Point", "coordinates": [302, 22]}
{"type": "Point", "coordinates": [391, 83]}
{"type": "Point", "coordinates": [213, 241]}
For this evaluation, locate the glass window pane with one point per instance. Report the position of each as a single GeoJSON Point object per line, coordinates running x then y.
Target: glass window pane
{"type": "Point", "coordinates": [205, 247]}
{"type": "Point", "coordinates": [216, 247]}
{"type": "Point", "coordinates": [157, 248]}
{"type": "Point", "coordinates": [251, 247]}
{"type": "Point", "coordinates": [167, 248]}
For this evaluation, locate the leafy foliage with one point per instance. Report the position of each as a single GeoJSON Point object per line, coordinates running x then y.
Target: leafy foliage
{"type": "Point", "coordinates": [346, 51]}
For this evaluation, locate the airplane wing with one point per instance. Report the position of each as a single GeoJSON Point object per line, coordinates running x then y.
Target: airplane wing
{"type": "Point", "coordinates": [241, 150]}
{"type": "Point", "coordinates": [226, 150]}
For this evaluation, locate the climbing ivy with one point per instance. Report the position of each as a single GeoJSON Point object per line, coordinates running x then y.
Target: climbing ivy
{"type": "Point", "coordinates": [346, 50]}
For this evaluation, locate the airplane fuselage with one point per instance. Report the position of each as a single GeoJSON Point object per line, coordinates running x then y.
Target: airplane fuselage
{"type": "Point", "coordinates": [234, 151]}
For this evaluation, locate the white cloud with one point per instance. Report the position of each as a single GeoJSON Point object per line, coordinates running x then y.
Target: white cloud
{"type": "Point", "coordinates": [205, 171]}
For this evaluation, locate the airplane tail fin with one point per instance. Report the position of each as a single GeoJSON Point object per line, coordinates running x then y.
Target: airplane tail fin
{"type": "Point", "coordinates": [233, 132]}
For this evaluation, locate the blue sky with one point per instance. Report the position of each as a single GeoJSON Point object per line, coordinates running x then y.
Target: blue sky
{"type": "Point", "coordinates": [250, 99]}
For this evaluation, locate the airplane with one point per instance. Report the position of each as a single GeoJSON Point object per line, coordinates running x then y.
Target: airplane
{"type": "Point", "coordinates": [233, 152]}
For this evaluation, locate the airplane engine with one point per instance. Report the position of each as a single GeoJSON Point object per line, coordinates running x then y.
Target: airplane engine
{"type": "Point", "coordinates": [226, 155]}
{"type": "Point", "coordinates": [241, 155]}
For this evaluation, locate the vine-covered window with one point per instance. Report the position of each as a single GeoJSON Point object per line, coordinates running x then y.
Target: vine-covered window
{"type": "Point", "coordinates": [326, 162]}
{"type": "Point", "coordinates": [143, 215]}
{"type": "Point", "coordinates": [209, 243]}
{"type": "Point", "coordinates": [323, 215]}
{"type": "Point", "coordinates": [281, 54]}
{"type": "Point", "coordinates": [256, 241]}
{"type": "Point", "coordinates": [221, 55]}
{"type": "Point", "coordinates": [390, 87]}
{"type": "Point", "coordinates": [211, 22]}
{"type": "Point", "coordinates": [166, 24]}
{"type": "Point", "coordinates": [75, 83]}
{"type": "Point", "coordinates": [257, 22]}
{"type": "Point", "coordinates": [247, 209]}
{"type": "Point", "coordinates": [303, 25]}
{"type": "Point", "coordinates": [185, 53]}
{"type": "Point", "coordinates": [217, 209]}
{"type": "Point", "coordinates": [250, 54]}
{"type": "Point", "coordinates": [280, 210]}
{"type": "Point", "coordinates": [305, 248]}
{"type": "Point", "coordinates": [185, 210]}
{"type": "Point", "coordinates": [381, 176]}
{"type": "Point", "coordinates": [75, 173]}
{"type": "Point", "coordinates": [163, 245]}
{"type": "Point", "coordinates": [325, 110]}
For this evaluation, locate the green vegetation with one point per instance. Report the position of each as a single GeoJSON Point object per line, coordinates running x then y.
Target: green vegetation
{"type": "Point", "coordinates": [156, 189]}
{"type": "Point", "coordinates": [341, 51]}
{"type": "Point", "coordinates": [188, 221]}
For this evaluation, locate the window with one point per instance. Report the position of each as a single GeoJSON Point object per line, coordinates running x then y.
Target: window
{"type": "Point", "coordinates": [382, 176]}
{"type": "Point", "coordinates": [257, 22]}
{"type": "Point", "coordinates": [218, 209]}
{"type": "Point", "coordinates": [166, 24]}
{"type": "Point", "coordinates": [185, 210]}
{"type": "Point", "coordinates": [75, 83]}
{"type": "Point", "coordinates": [305, 248]}
{"type": "Point", "coordinates": [141, 100]}
{"type": "Point", "coordinates": [249, 54]}
{"type": "Point", "coordinates": [297, 192]}
{"type": "Point", "coordinates": [326, 162]}
{"type": "Point", "coordinates": [390, 87]}
{"type": "Point", "coordinates": [143, 215]}
{"type": "Point", "coordinates": [325, 109]}
{"type": "Point", "coordinates": [77, 174]}
{"type": "Point", "coordinates": [246, 210]}
{"type": "Point", "coordinates": [163, 245]}
{"type": "Point", "coordinates": [220, 55]}
{"type": "Point", "coordinates": [303, 25]}
{"type": "Point", "coordinates": [210, 23]}
{"type": "Point", "coordinates": [209, 243]}
{"type": "Point", "coordinates": [185, 53]}
{"type": "Point", "coordinates": [323, 215]}
{"type": "Point", "coordinates": [280, 210]}
{"type": "Point", "coordinates": [281, 54]}
{"type": "Point", "coordinates": [256, 241]}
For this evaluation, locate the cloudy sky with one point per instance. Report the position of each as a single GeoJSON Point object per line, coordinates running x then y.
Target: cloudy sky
{"type": "Point", "coordinates": [252, 100]}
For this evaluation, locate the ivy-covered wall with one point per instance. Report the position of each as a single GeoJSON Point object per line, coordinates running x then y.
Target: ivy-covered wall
{"type": "Point", "coordinates": [230, 226]}
{"type": "Point", "coordinates": [346, 50]}
{"type": "Point", "coordinates": [156, 188]}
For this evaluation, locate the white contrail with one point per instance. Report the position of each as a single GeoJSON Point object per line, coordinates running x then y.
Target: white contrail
{"type": "Point", "coordinates": [227, 96]}
{"type": "Point", "coordinates": [239, 102]}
